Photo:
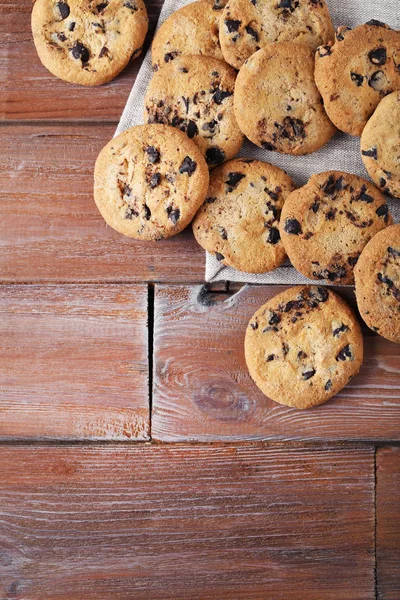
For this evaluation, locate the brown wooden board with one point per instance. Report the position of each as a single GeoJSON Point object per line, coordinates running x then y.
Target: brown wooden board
{"type": "Point", "coordinates": [187, 522]}
{"type": "Point", "coordinates": [50, 228]}
{"type": "Point", "coordinates": [202, 389]}
{"type": "Point", "coordinates": [74, 362]}
{"type": "Point", "coordinates": [30, 92]}
{"type": "Point", "coordinates": [388, 523]}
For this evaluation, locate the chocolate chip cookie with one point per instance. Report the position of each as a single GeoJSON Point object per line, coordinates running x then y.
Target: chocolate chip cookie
{"type": "Point", "coordinates": [303, 346]}
{"type": "Point", "coordinates": [195, 94]}
{"type": "Point", "coordinates": [380, 145]}
{"type": "Point", "coordinates": [88, 42]}
{"type": "Point", "coordinates": [248, 25]}
{"type": "Point", "coordinates": [193, 29]}
{"type": "Point", "coordinates": [239, 221]}
{"type": "Point", "coordinates": [277, 104]}
{"type": "Point", "coordinates": [149, 182]}
{"type": "Point", "coordinates": [326, 224]}
{"type": "Point", "coordinates": [377, 277]}
{"type": "Point", "coordinates": [355, 73]}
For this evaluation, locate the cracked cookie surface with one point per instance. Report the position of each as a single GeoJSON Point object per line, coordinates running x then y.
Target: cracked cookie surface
{"type": "Point", "coordinates": [88, 41]}
{"type": "Point", "coordinates": [248, 25]}
{"type": "Point", "coordinates": [277, 104]}
{"type": "Point", "coordinates": [326, 224]}
{"type": "Point", "coordinates": [149, 182]}
{"type": "Point", "coordinates": [380, 145]}
{"type": "Point", "coordinates": [193, 29]}
{"type": "Point", "coordinates": [356, 72]}
{"type": "Point", "coordinates": [195, 94]}
{"type": "Point", "coordinates": [303, 346]}
{"type": "Point", "coordinates": [377, 277]}
{"type": "Point", "coordinates": [239, 220]}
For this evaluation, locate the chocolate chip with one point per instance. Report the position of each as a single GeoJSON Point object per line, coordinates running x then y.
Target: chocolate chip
{"type": "Point", "coordinates": [288, 4]}
{"type": "Point", "coordinates": [210, 200]}
{"type": "Point", "coordinates": [384, 279]}
{"type": "Point", "coordinates": [357, 78]}
{"type": "Point", "coordinates": [232, 25]}
{"type": "Point", "coordinates": [234, 178]}
{"type": "Point", "coordinates": [308, 374]}
{"type": "Point", "coordinates": [270, 357]}
{"type": "Point", "coordinates": [254, 325]}
{"type": "Point", "coordinates": [170, 56]}
{"type": "Point", "coordinates": [301, 355]}
{"type": "Point", "coordinates": [63, 9]}
{"type": "Point", "coordinates": [332, 185]}
{"type": "Point", "coordinates": [147, 212]}
{"type": "Point", "coordinates": [328, 385]}
{"type": "Point", "coordinates": [130, 213]}
{"type": "Point", "coordinates": [383, 212]}
{"type": "Point", "coordinates": [363, 196]}
{"type": "Point", "coordinates": [79, 51]}
{"type": "Point", "coordinates": [315, 206]}
{"type": "Point", "coordinates": [191, 129]}
{"type": "Point", "coordinates": [274, 319]}
{"type": "Point", "coordinates": [100, 7]}
{"type": "Point", "coordinates": [252, 32]}
{"type": "Point", "coordinates": [186, 103]}
{"type": "Point", "coordinates": [376, 23]}
{"type": "Point", "coordinates": [352, 260]}
{"type": "Point", "coordinates": [373, 153]}
{"type": "Point", "coordinates": [377, 81]}
{"type": "Point", "coordinates": [324, 51]}
{"type": "Point", "coordinates": [104, 52]}
{"type": "Point", "coordinates": [155, 180]}
{"type": "Point", "coordinates": [210, 126]}
{"type": "Point", "coordinates": [61, 36]}
{"type": "Point", "coordinates": [72, 26]}
{"type": "Point", "coordinates": [268, 146]}
{"type": "Point", "coordinates": [382, 182]}
{"type": "Point", "coordinates": [215, 156]}
{"type": "Point", "coordinates": [378, 56]}
{"type": "Point", "coordinates": [344, 354]}
{"type": "Point", "coordinates": [220, 95]}
{"type": "Point", "coordinates": [273, 236]}
{"type": "Point", "coordinates": [219, 256]}
{"type": "Point", "coordinates": [127, 191]}
{"type": "Point", "coordinates": [292, 226]}
{"type": "Point", "coordinates": [340, 329]}
{"type": "Point", "coordinates": [393, 252]}
{"type": "Point", "coordinates": [319, 294]}
{"type": "Point", "coordinates": [293, 304]}
{"type": "Point", "coordinates": [153, 154]}
{"type": "Point", "coordinates": [131, 6]}
{"type": "Point", "coordinates": [291, 129]}
{"type": "Point", "coordinates": [285, 349]}
{"type": "Point", "coordinates": [330, 215]}
{"type": "Point", "coordinates": [222, 232]}
{"type": "Point", "coordinates": [188, 166]}
{"type": "Point", "coordinates": [173, 214]}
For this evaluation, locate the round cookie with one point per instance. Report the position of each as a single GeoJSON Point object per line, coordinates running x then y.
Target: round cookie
{"type": "Point", "coordinates": [326, 224]}
{"type": "Point", "coordinates": [240, 218]}
{"type": "Point", "coordinates": [247, 26]}
{"type": "Point", "coordinates": [377, 277]}
{"type": "Point", "coordinates": [195, 94]}
{"type": "Point", "coordinates": [193, 29]}
{"type": "Point", "coordinates": [303, 346]}
{"type": "Point", "coordinates": [380, 145]}
{"type": "Point", "coordinates": [277, 104]}
{"type": "Point", "coordinates": [356, 72]}
{"type": "Point", "coordinates": [149, 182]}
{"type": "Point", "coordinates": [88, 42]}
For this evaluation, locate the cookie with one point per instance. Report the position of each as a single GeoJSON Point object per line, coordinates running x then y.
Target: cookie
{"type": "Point", "coordinates": [277, 104]}
{"type": "Point", "coordinates": [326, 224]}
{"type": "Point", "coordinates": [88, 42]}
{"type": "Point", "coordinates": [239, 221]}
{"type": "Point", "coordinates": [149, 182]}
{"type": "Point", "coordinates": [248, 25]}
{"type": "Point", "coordinates": [192, 29]}
{"type": "Point", "coordinates": [303, 346]}
{"type": "Point", "coordinates": [195, 94]}
{"type": "Point", "coordinates": [380, 145]}
{"type": "Point", "coordinates": [377, 277]}
{"type": "Point", "coordinates": [356, 72]}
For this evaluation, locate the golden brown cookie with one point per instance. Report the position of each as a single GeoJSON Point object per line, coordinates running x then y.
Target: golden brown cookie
{"type": "Point", "coordinates": [277, 104]}
{"type": "Point", "coordinates": [356, 72]}
{"type": "Point", "coordinates": [239, 221]}
{"type": "Point", "coordinates": [377, 277]}
{"type": "Point", "coordinates": [149, 182]}
{"type": "Point", "coordinates": [87, 41]}
{"type": "Point", "coordinates": [247, 26]}
{"type": "Point", "coordinates": [326, 224]}
{"type": "Point", "coordinates": [303, 346]}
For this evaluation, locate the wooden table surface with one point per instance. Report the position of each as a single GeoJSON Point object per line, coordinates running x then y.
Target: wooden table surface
{"type": "Point", "coordinates": [138, 459]}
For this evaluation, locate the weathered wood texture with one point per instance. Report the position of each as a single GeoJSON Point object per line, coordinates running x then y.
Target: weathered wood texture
{"type": "Point", "coordinates": [202, 389]}
{"type": "Point", "coordinates": [50, 228]}
{"type": "Point", "coordinates": [29, 91]}
{"type": "Point", "coordinates": [184, 522]}
{"type": "Point", "coordinates": [388, 523]}
{"type": "Point", "coordinates": [74, 362]}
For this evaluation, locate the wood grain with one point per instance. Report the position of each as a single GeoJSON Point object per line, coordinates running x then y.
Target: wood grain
{"type": "Point", "coordinates": [388, 523]}
{"type": "Point", "coordinates": [29, 91]}
{"type": "Point", "coordinates": [203, 392]}
{"type": "Point", "coordinates": [74, 362]}
{"type": "Point", "coordinates": [184, 522]}
{"type": "Point", "coordinates": [50, 228]}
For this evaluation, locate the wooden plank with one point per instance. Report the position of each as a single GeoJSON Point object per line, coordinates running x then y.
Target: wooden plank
{"type": "Point", "coordinates": [185, 522]}
{"type": "Point", "coordinates": [74, 362]}
{"type": "Point", "coordinates": [29, 91]}
{"type": "Point", "coordinates": [388, 523]}
{"type": "Point", "coordinates": [50, 228]}
{"type": "Point", "coordinates": [203, 392]}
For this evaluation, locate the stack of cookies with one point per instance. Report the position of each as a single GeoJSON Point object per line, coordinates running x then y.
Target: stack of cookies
{"type": "Point", "coordinates": [274, 72]}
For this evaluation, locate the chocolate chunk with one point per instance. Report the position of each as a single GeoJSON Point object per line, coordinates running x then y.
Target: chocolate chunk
{"type": "Point", "coordinates": [344, 354]}
{"type": "Point", "coordinates": [376, 23]}
{"type": "Point", "coordinates": [191, 129]}
{"type": "Point", "coordinates": [215, 156]}
{"type": "Point", "coordinates": [308, 374]}
{"type": "Point", "coordinates": [324, 51]}
{"type": "Point", "coordinates": [173, 214]}
{"type": "Point", "coordinates": [232, 25]}
{"type": "Point", "coordinates": [373, 153]}
{"type": "Point", "coordinates": [271, 194]}
{"type": "Point", "coordinates": [332, 185]}
{"type": "Point", "coordinates": [222, 232]}
{"type": "Point", "coordinates": [292, 226]}
{"type": "Point", "coordinates": [153, 154]}
{"type": "Point", "coordinates": [132, 7]}
{"type": "Point", "coordinates": [268, 146]}
{"type": "Point", "coordinates": [378, 56]}
{"type": "Point", "coordinates": [219, 256]}
{"type": "Point", "coordinates": [234, 178]}
{"type": "Point", "coordinates": [319, 294]}
{"type": "Point", "coordinates": [254, 325]}
{"type": "Point", "coordinates": [340, 329]}
{"type": "Point", "coordinates": [383, 212]}
{"type": "Point", "coordinates": [72, 26]}
{"type": "Point", "coordinates": [104, 52]}
{"type": "Point", "coordinates": [291, 129]}
{"type": "Point", "coordinates": [252, 32]}
{"type": "Point", "coordinates": [328, 385]}
{"type": "Point", "coordinates": [220, 95]}
{"type": "Point", "coordinates": [147, 212]}
{"type": "Point", "coordinates": [100, 7]}
{"type": "Point", "coordinates": [274, 318]}
{"type": "Point", "coordinates": [270, 357]}
{"type": "Point", "coordinates": [79, 51]}
{"type": "Point", "coordinates": [336, 272]}
{"type": "Point", "coordinates": [273, 236]}
{"type": "Point", "coordinates": [363, 196]}
{"type": "Point", "coordinates": [170, 56]}
{"type": "Point", "coordinates": [377, 81]}
{"type": "Point", "coordinates": [155, 180]}
{"type": "Point", "coordinates": [63, 9]}
{"type": "Point", "coordinates": [357, 78]}
{"type": "Point", "coordinates": [188, 166]}
{"type": "Point", "coordinates": [384, 279]}
{"type": "Point", "coordinates": [293, 304]}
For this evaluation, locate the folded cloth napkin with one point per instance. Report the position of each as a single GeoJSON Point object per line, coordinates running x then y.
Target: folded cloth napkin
{"type": "Point", "coordinates": [341, 153]}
